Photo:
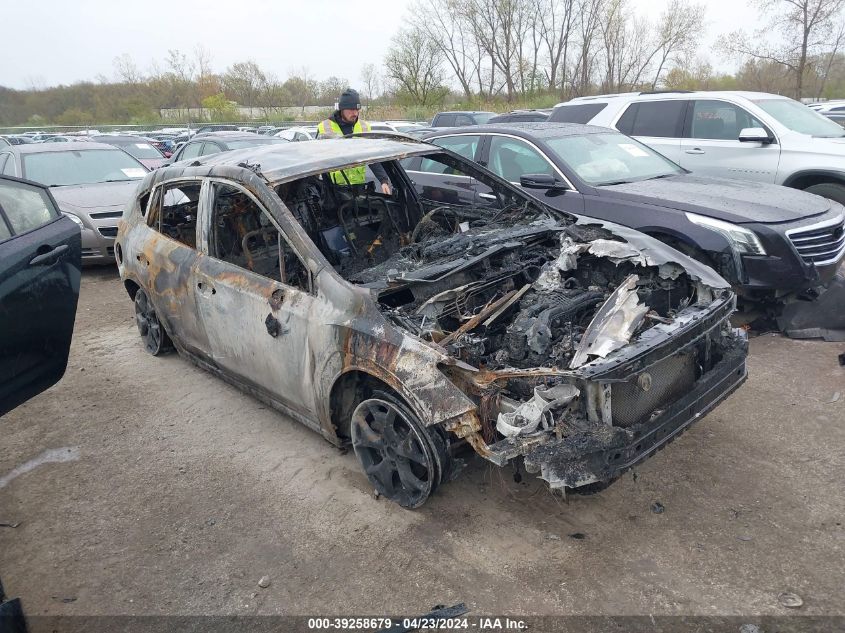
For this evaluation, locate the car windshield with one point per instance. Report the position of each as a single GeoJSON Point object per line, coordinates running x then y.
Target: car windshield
{"type": "Point", "coordinates": [141, 150]}
{"type": "Point", "coordinates": [799, 118]}
{"type": "Point", "coordinates": [81, 167]}
{"type": "Point", "coordinates": [253, 142]}
{"type": "Point", "coordinates": [610, 158]}
{"type": "Point", "coordinates": [482, 117]}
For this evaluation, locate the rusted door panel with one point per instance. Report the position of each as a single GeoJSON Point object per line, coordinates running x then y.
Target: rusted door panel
{"type": "Point", "coordinates": [166, 270]}
{"type": "Point", "coordinates": [257, 330]}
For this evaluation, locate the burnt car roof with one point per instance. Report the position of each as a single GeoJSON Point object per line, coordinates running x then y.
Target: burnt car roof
{"type": "Point", "coordinates": [278, 162]}
{"type": "Point", "coordinates": [537, 129]}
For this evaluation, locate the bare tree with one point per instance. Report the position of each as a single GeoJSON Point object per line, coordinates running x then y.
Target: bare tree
{"type": "Point", "coordinates": [445, 24]}
{"type": "Point", "coordinates": [415, 63]}
{"type": "Point", "coordinates": [806, 28]}
{"type": "Point", "coordinates": [556, 25]}
{"type": "Point", "coordinates": [590, 14]}
{"type": "Point", "coordinates": [126, 69]}
{"type": "Point", "coordinates": [678, 31]}
{"type": "Point", "coordinates": [370, 81]}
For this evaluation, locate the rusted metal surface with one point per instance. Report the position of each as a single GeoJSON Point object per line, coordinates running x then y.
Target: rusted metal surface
{"type": "Point", "coordinates": [292, 344]}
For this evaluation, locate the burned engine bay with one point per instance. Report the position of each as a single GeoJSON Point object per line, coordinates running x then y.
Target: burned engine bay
{"type": "Point", "coordinates": [528, 301]}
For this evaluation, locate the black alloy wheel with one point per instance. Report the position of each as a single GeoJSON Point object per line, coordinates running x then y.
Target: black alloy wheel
{"type": "Point", "coordinates": [394, 451]}
{"type": "Point", "coordinates": [152, 333]}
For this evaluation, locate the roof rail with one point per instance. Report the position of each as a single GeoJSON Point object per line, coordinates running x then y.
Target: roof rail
{"type": "Point", "coordinates": [663, 92]}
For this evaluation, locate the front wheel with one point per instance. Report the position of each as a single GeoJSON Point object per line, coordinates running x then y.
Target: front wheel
{"type": "Point", "coordinates": [395, 451]}
{"type": "Point", "coordinates": [829, 190]}
{"type": "Point", "coordinates": [155, 339]}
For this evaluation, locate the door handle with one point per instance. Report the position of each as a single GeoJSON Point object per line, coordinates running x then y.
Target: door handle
{"type": "Point", "coordinates": [487, 196]}
{"type": "Point", "coordinates": [695, 150]}
{"type": "Point", "coordinates": [48, 257]}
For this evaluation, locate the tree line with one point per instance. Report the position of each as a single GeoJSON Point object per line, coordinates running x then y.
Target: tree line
{"type": "Point", "coordinates": [483, 53]}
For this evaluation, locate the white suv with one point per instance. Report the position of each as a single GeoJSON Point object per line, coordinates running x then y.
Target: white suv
{"type": "Point", "coordinates": [744, 135]}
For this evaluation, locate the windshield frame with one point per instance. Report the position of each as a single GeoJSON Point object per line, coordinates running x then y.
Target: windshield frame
{"type": "Point", "coordinates": [551, 144]}
{"type": "Point", "coordinates": [812, 115]}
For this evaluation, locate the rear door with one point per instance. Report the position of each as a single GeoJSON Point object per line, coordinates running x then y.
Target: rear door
{"type": "Point", "coordinates": [40, 268]}
{"type": "Point", "coordinates": [658, 124]}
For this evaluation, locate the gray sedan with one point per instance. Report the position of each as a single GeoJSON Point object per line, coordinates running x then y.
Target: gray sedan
{"type": "Point", "coordinates": [91, 182]}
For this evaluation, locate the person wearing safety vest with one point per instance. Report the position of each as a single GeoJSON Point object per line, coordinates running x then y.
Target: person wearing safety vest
{"type": "Point", "coordinates": [345, 121]}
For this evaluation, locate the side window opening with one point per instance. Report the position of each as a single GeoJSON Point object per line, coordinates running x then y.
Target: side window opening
{"type": "Point", "coordinates": [174, 211]}
{"type": "Point", "coordinates": [510, 159]}
{"type": "Point", "coordinates": [242, 234]}
{"type": "Point", "coordinates": [353, 226]}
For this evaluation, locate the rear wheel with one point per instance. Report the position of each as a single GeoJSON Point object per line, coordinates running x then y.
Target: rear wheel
{"type": "Point", "coordinates": [401, 459]}
{"type": "Point", "coordinates": [829, 190]}
{"type": "Point", "coordinates": [155, 339]}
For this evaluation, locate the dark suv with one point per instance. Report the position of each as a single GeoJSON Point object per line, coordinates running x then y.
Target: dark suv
{"type": "Point", "coordinates": [768, 241]}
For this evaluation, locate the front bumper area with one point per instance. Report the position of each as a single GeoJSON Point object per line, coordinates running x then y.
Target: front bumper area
{"type": "Point", "coordinates": [603, 452]}
{"type": "Point", "coordinates": [97, 248]}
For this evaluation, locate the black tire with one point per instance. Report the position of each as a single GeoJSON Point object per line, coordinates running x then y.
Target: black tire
{"type": "Point", "coordinates": [155, 339]}
{"type": "Point", "coordinates": [829, 190]}
{"type": "Point", "coordinates": [403, 461]}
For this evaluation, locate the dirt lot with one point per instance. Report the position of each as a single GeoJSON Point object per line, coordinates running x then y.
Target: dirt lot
{"type": "Point", "coordinates": [186, 492]}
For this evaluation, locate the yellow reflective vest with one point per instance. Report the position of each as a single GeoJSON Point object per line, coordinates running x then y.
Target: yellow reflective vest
{"type": "Point", "coordinates": [354, 175]}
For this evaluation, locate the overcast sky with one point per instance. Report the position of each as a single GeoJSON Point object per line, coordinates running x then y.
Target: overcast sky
{"type": "Point", "coordinates": [64, 42]}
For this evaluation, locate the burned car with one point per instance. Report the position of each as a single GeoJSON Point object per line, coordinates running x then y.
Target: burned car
{"type": "Point", "coordinates": [416, 326]}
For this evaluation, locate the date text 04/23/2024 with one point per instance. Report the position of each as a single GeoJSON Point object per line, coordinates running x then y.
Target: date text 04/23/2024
{"type": "Point", "coordinates": [416, 624]}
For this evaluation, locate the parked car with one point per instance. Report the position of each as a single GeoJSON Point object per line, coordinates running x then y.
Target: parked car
{"type": "Point", "coordinates": [460, 118]}
{"type": "Point", "coordinates": [403, 323]}
{"type": "Point", "coordinates": [746, 135]}
{"type": "Point", "coordinates": [401, 127]}
{"type": "Point", "coordinates": [837, 105]}
{"type": "Point", "coordinates": [836, 117]}
{"type": "Point", "coordinates": [16, 139]}
{"type": "Point", "coordinates": [767, 240]}
{"type": "Point", "coordinates": [297, 133]}
{"type": "Point", "coordinates": [215, 142]}
{"type": "Point", "coordinates": [217, 127]}
{"type": "Point", "coordinates": [139, 147]}
{"type": "Point", "coordinates": [40, 261]}
{"type": "Point", "coordinates": [522, 116]}
{"type": "Point", "coordinates": [91, 182]}
{"type": "Point", "coordinates": [61, 138]}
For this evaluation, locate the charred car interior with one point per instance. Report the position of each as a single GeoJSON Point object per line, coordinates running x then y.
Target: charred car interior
{"type": "Point", "coordinates": [428, 323]}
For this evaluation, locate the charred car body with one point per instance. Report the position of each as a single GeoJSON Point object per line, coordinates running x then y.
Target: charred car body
{"type": "Point", "coordinates": [412, 324]}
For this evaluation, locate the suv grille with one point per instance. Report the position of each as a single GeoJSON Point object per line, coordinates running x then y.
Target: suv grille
{"type": "Point", "coordinates": [820, 243]}
{"type": "Point", "coordinates": [108, 231]}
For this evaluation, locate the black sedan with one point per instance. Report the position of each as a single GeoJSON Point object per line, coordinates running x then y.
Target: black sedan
{"type": "Point", "coordinates": [216, 142]}
{"type": "Point", "coordinates": [767, 240]}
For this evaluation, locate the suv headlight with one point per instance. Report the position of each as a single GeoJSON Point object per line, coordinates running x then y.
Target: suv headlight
{"type": "Point", "coordinates": [743, 240]}
{"type": "Point", "coordinates": [74, 218]}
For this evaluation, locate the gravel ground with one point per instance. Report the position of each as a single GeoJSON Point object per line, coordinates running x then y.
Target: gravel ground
{"type": "Point", "coordinates": [180, 493]}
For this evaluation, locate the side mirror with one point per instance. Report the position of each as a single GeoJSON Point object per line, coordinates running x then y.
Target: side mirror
{"type": "Point", "coordinates": [541, 181]}
{"type": "Point", "coordinates": [754, 135]}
